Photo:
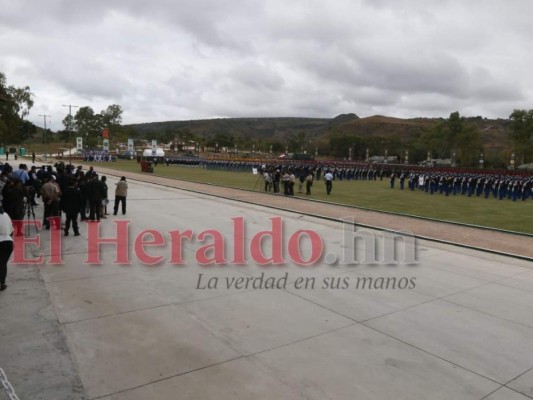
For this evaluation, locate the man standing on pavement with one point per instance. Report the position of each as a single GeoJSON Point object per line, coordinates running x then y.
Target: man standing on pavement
{"type": "Point", "coordinates": [71, 200]}
{"type": "Point", "coordinates": [121, 192]}
{"type": "Point", "coordinates": [51, 194]}
{"type": "Point", "coordinates": [328, 177]}
{"type": "Point", "coordinates": [309, 182]}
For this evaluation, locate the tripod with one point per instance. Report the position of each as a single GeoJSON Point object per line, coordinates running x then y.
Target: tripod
{"type": "Point", "coordinates": [29, 213]}
{"type": "Point", "coordinates": [259, 179]}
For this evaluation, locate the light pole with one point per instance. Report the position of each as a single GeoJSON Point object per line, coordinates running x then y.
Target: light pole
{"type": "Point", "coordinates": [69, 144]}
{"type": "Point", "coordinates": [45, 116]}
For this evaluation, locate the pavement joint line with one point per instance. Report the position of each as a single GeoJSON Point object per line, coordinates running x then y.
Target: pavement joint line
{"type": "Point", "coordinates": [168, 378]}
{"type": "Point", "coordinates": [353, 319]}
{"type": "Point", "coordinates": [116, 313]}
{"type": "Point", "coordinates": [431, 354]}
{"type": "Point", "coordinates": [349, 206]}
{"type": "Point", "coordinates": [443, 298]}
{"type": "Point", "coordinates": [353, 323]}
{"type": "Point", "coordinates": [514, 379]}
{"type": "Point", "coordinates": [83, 278]}
{"type": "Point", "coordinates": [471, 247]}
{"type": "Point", "coordinates": [516, 391]}
{"type": "Point", "coordinates": [528, 267]}
{"type": "Point", "coordinates": [513, 287]}
{"type": "Point", "coordinates": [476, 277]}
{"type": "Point", "coordinates": [434, 297]}
{"type": "Point", "coordinates": [518, 376]}
{"type": "Point", "coordinates": [242, 356]}
{"type": "Point", "coordinates": [172, 303]}
{"type": "Point", "coordinates": [401, 310]}
{"type": "Point", "coordinates": [486, 313]}
{"type": "Point", "coordinates": [499, 281]}
{"type": "Point", "coordinates": [491, 393]}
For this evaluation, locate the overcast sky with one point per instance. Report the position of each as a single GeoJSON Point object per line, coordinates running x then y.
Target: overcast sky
{"type": "Point", "coordinates": [178, 60]}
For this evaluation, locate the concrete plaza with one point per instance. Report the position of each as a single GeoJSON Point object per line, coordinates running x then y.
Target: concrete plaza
{"type": "Point", "coordinates": [461, 328]}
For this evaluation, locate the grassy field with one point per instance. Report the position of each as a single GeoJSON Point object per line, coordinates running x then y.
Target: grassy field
{"type": "Point", "coordinates": [505, 214]}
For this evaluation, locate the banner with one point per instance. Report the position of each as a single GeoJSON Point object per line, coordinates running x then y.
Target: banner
{"type": "Point", "coordinates": [105, 145]}
{"type": "Point", "coordinates": [154, 148]}
{"type": "Point", "coordinates": [79, 143]}
{"type": "Point", "coordinates": [130, 146]}
{"type": "Point", "coordinates": [105, 133]}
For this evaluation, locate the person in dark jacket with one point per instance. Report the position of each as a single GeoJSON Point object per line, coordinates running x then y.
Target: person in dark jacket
{"type": "Point", "coordinates": [105, 199]}
{"type": "Point", "coordinates": [71, 200]}
{"type": "Point", "coordinates": [84, 191]}
{"type": "Point", "coordinates": [96, 193]}
{"type": "Point", "coordinates": [13, 203]}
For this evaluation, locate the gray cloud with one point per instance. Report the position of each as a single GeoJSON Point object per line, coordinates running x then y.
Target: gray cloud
{"type": "Point", "coordinates": [166, 60]}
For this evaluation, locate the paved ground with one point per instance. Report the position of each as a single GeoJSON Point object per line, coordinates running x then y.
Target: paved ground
{"type": "Point", "coordinates": [462, 327]}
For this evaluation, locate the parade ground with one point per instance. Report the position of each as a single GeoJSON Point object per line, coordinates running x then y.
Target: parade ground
{"type": "Point", "coordinates": [177, 305]}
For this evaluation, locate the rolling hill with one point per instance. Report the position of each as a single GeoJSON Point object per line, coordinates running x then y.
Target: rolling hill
{"type": "Point", "coordinates": [494, 133]}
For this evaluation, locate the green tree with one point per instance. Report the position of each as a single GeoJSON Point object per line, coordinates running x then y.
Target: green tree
{"type": "Point", "coordinates": [521, 132]}
{"type": "Point", "coordinates": [69, 124]}
{"type": "Point", "coordinates": [469, 146]}
{"type": "Point", "coordinates": [340, 145]}
{"type": "Point", "coordinates": [26, 131]}
{"type": "Point", "coordinates": [442, 138]}
{"type": "Point", "coordinates": [112, 116]}
{"type": "Point", "coordinates": [222, 139]}
{"type": "Point", "coordinates": [22, 99]}
{"type": "Point", "coordinates": [88, 125]}
{"type": "Point", "coordinates": [277, 146]}
{"type": "Point", "coordinates": [15, 105]}
{"type": "Point", "coordinates": [455, 126]}
{"type": "Point", "coordinates": [452, 135]}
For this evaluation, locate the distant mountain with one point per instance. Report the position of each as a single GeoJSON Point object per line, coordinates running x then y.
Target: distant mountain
{"type": "Point", "coordinates": [494, 135]}
{"type": "Point", "coordinates": [251, 127]}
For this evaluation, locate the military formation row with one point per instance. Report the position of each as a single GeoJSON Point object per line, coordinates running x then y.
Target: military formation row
{"type": "Point", "coordinates": [512, 187]}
